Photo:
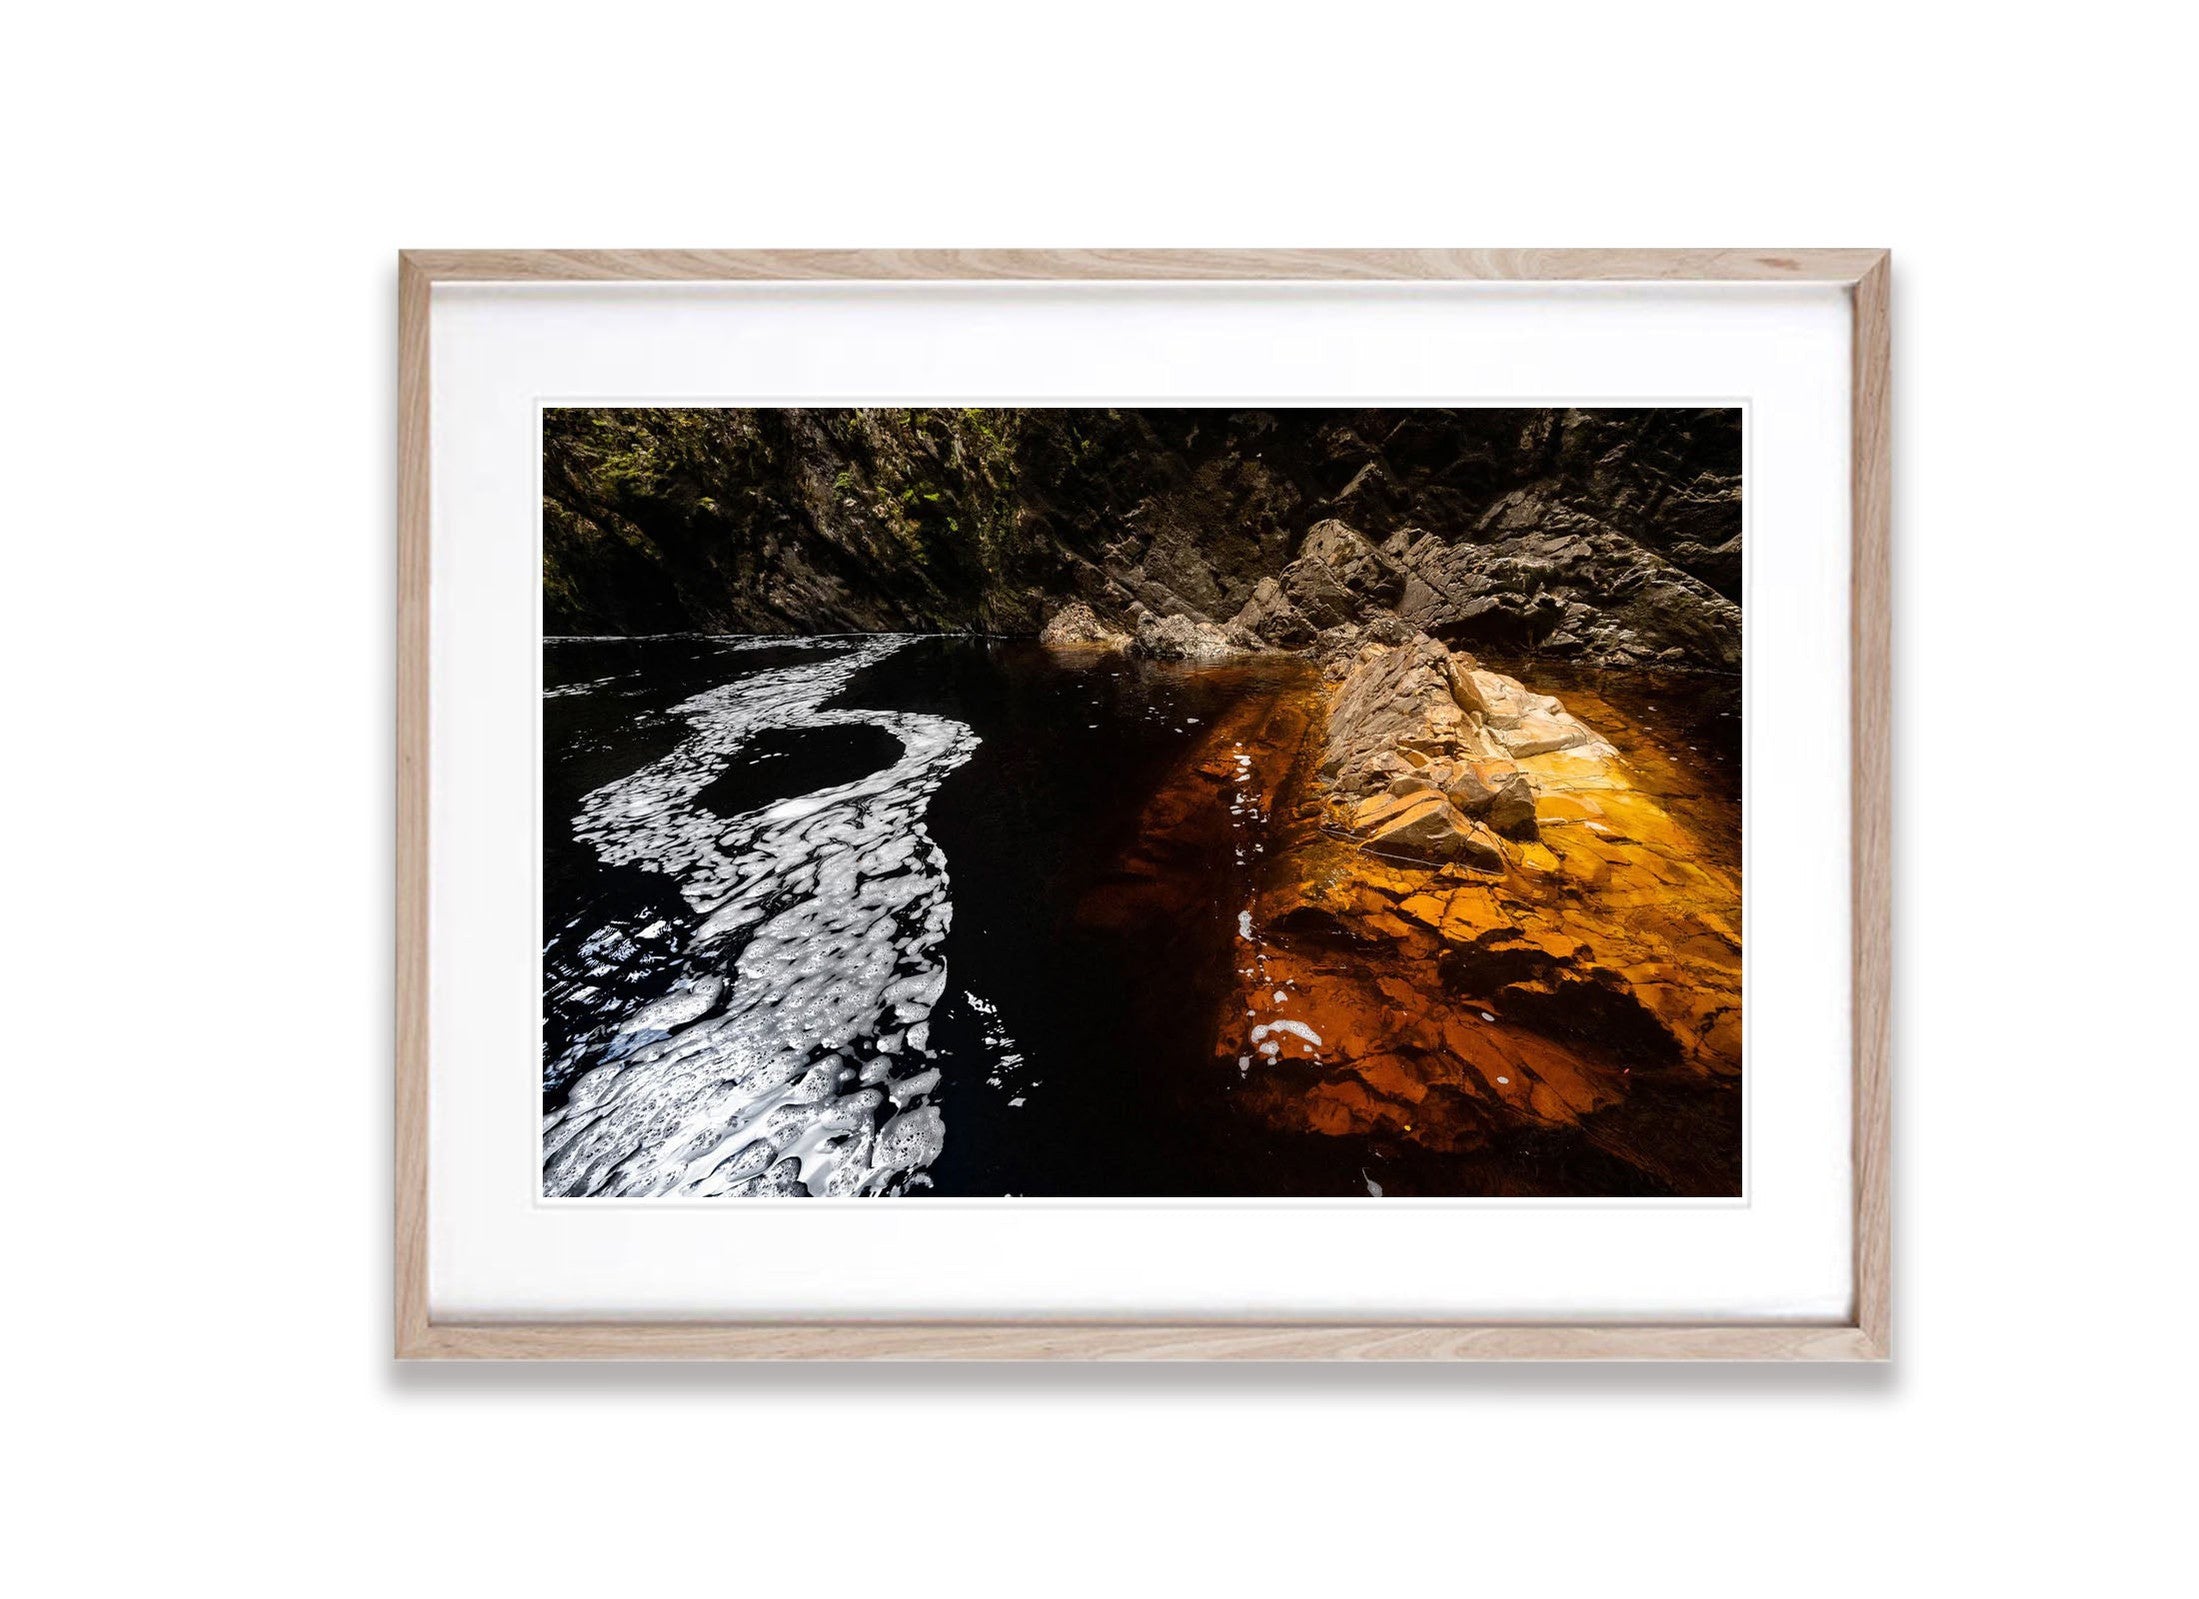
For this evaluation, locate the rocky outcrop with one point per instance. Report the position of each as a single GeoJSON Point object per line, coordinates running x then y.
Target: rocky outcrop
{"type": "Point", "coordinates": [1606, 536]}
{"type": "Point", "coordinates": [1178, 638]}
{"type": "Point", "coordinates": [1423, 750]}
{"type": "Point", "coordinates": [1339, 580]}
{"type": "Point", "coordinates": [1503, 974]}
{"type": "Point", "coordinates": [1453, 991]}
{"type": "Point", "coordinates": [1074, 626]}
{"type": "Point", "coordinates": [1542, 577]}
{"type": "Point", "coordinates": [1416, 821]}
{"type": "Point", "coordinates": [1270, 617]}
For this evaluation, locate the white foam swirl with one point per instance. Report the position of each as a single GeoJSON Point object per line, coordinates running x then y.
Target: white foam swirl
{"type": "Point", "coordinates": [789, 1054]}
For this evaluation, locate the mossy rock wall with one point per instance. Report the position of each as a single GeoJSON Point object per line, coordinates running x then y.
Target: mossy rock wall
{"type": "Point", "coordinates": [804, 521]}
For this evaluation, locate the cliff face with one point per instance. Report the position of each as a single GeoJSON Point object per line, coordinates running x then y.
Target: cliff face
{"type": "Point", "coordinates": [1610, 537]}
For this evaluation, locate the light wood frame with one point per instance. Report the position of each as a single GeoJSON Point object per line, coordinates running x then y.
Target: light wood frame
{"type": "Point", "coordinates": [1863, 1336]}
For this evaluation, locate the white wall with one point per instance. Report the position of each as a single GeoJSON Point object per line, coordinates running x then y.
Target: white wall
{"type": "Point", "coordinates": [197, 495]}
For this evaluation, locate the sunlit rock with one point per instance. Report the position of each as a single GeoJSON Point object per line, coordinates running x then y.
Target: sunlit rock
{"type": "Point", "coordinates": [1179, 638]}
{"type": "Point", "coordinates": [1496, 791]}
{"type": "Point", "coordinates": [1464, 988]}
{"type": "Point", "coordinates": [1418, 823]}
{"type": "Point", "coordinates": [1539, 735]}
{"type": "Point", "coordinates": [1499, 701]}
{"type": "Point", "coordinates": [1077, 626]}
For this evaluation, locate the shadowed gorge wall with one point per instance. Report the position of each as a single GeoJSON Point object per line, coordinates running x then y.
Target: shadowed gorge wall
{"type": "Point", "coordinates": [1609, 536]}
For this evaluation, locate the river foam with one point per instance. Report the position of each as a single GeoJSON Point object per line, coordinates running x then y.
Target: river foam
{"type": "Point", "coordinates": [785, 1050]}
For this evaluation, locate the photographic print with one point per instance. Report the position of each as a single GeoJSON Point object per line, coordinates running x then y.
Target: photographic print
{"type": "Point", "coordinates": [1085, 803]}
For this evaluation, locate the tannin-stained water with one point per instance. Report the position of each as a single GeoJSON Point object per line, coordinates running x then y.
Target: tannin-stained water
{"type": "Point", "coordinates": [935, 915]}
{"type": "Point", "coordinates": [1569, 1024]}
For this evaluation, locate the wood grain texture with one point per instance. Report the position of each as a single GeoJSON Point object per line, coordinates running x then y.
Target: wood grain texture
{"type": "Point", "coordinates": [1226, 266]}
{"type": "Point", "coordinates": [413, 518]}
{"type": "Point", "coordinates": [1870, 621]}
{"type": "Point", "coordinates": [1866, 1337]}
{"type": "Point", "coordinates": [1040, 1340]}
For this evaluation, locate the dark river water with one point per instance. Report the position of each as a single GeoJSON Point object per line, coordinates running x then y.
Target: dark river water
{"type": "Point", "coordinates": [819, 918]}
{"type": "Point", "coordinates": [1056, 1057]}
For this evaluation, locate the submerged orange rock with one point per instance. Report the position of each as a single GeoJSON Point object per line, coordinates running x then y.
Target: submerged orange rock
{"type": "Point", "coordinates": [1558, 1010]}
{"type": "Point", "coordinates": [1463, 999]}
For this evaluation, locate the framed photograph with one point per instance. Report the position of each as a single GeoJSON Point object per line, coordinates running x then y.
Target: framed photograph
{"type": "Point", "coordinates": [1131, 804]}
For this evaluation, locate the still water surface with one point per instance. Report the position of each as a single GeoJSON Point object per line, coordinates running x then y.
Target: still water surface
{"type": "Point", "coordinates": [840, 916]}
